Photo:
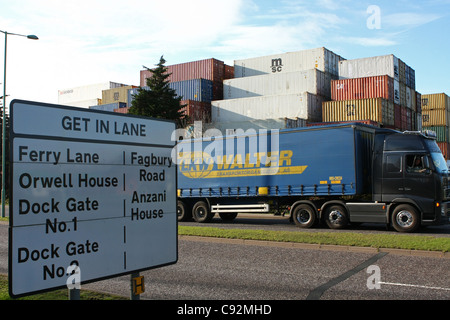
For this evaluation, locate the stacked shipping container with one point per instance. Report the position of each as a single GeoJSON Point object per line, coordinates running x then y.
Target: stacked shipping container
{"type": "Point", "coordinates": [363, 82]}
{"type": "Point", "coordinates": [115, 95]}
{"type": "Point", "coordinates": [292, 106]}
{"type": "Point", "coordinates": [319, 58]}
{"type": "Point", "coordinates": [288, 85]}
{"type": "Point", "coordinates": [436, 117]}
{"type": "Point", "coordinates": [198, 83]}
{"type": "Point", "coordinates": [86, 96]}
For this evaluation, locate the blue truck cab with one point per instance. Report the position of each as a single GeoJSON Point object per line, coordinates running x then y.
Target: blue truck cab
{"type": "Point", "coordinates": [336, 174]}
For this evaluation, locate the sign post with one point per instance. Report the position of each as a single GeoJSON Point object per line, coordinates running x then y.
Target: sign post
{"type": "Point", "coordinates": [88, 188]}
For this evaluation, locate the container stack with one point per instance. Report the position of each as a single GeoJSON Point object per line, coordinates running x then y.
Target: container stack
{"type": "Point", "coordinates": [274, 88]}
{"type": "Point", "coordinates": [114, 99]}
{"type": "Point", "coordinates": [197, 82]}
{"type": "Point", "coordinates": [380, 89]}
{"type": "Point", "coordinates": [86, 96]}
{"type": "Point", "coordinates": [436, 117]}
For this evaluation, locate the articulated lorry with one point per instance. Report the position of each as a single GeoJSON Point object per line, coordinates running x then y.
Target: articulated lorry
{"type": "Point", "coordinates": [335, 174]}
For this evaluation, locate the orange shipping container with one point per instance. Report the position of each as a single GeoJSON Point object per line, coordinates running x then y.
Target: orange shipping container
{"type": "Point", "coordinates": [375, 109]}
{"type": "Point", "coordinates": [363, 88]}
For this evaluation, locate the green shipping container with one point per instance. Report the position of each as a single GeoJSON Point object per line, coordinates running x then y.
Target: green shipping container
{"type": "Point", "coordinates": [442, 132]}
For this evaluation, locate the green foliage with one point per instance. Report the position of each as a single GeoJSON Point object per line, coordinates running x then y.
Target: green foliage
{"type": "Point", "coordinates": [160, 101]}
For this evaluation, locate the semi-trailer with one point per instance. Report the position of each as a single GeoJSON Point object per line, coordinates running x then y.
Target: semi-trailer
{"type": "Point", "coordinates": [335, 174]}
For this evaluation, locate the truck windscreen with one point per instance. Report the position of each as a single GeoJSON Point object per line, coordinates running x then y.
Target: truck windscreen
{"type": "Point", "coordinates": [436, 155]}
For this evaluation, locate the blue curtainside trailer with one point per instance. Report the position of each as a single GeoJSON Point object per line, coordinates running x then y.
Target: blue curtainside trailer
{"type": "Point", "coordinates": [329, 173]}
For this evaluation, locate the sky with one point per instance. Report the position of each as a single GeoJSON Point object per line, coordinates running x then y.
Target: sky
{"type": "Point", "coordinates": [89, 42]}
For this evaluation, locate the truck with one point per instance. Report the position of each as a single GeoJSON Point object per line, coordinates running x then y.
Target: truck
{"type": "Point", "coordinates": [338, 175]}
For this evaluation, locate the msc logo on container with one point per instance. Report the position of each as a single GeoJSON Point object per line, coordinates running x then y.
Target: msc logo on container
{"type": "Point", "coordinates": [277, 65]}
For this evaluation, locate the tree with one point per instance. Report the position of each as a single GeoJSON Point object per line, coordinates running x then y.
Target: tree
{"type": "Point", "coordinates": [159, 101]}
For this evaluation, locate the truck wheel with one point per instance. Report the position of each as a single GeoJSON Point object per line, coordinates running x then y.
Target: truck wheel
{"type": "Point", "coordinates": [183, 213]}
{"type": "Point", "coordinates": [228, 216]}
{"type": "Point", "coordinates": [405, 218]}
{"type": "Point", "coordinates": [336, 217]}
{"type": "Point", "coordinates": [304, 216]}
{"type": "Point", "coordinates": [201, 212]}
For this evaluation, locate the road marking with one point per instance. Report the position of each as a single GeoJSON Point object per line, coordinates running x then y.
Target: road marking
{"type": "Point", "coordinates": [317, 292]}
{"type": "Point", "coordinates": [413, 285]}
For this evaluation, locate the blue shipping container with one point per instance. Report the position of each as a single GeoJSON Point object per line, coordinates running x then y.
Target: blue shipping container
{"type": "Point", "coordinates": [195, 89]}
{"type": "Point", "coordinates": [332, 160]}
{"type": "Point", "coordinates": [110, 106]}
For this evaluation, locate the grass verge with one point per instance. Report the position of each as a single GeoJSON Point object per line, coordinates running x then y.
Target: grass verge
{"type": "Point", "coordinates": [55, 295]}
{"type": "Point", "coordinates": [396, 241]}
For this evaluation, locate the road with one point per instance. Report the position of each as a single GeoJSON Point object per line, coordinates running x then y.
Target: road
{"type": "Point", "coordinates": [224, 270]}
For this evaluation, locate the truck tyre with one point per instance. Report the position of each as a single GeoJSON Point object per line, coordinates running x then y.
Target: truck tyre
{"type": "Point", "coordinates": [228, 216]}
{"type": "Point", "coordinates": [405, 218]}
{"type": "Point", "coordinates": [304, 216]}
{"type": "Point", "coordinates": [336, 217]}
{"type": "Point", "coordinates": [183, 213]}
{"type": "Point", "coordinates": [201, 212]}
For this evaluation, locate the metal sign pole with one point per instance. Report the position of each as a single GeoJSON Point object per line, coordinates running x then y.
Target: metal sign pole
{"type": "Point", "coordinates": [74, 294]}
{"type": "Point", "coordinates": [137, 286]}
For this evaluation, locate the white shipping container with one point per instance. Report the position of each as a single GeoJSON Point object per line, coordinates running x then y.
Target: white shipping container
{"type": "Point", "coordinates": [301, 105]}
{"type": "Point", "coordinates": [234, 127]}
{"type": "Point", "coordinates": [83, 103]}
{"type": "Point", "coordinates": [313, 81]}
{"type": "Point", "coordinates": [319, 58]}
{"type": "Point", "coordinates": [367, 67]}
{"type": "Point", "coordinates": [80, 94]}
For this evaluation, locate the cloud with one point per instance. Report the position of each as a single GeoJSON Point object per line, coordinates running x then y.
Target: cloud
{"type": "Point", "coordinates": [84, 42]}
{"type": "Point", "coordinates": [408, 19]}
{"type": "Point", "coordinates": [369, 41]}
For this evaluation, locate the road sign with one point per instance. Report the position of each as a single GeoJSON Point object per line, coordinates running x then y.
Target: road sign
{"type": "Point", "coordinates": [88, 188]}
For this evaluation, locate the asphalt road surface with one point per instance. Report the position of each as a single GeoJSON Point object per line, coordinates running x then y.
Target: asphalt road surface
{"type": "Point", "coordinates": [229, 271]}
{"type": "Point", "coordinates": [211, 269]}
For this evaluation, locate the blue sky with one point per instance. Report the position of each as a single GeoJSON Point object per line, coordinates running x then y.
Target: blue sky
{"type": "Point", "coordinates": [88, 42]}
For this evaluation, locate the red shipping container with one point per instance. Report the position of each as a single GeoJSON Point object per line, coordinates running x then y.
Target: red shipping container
{"type": "Point", "coordinates": [444, 146]}
{"type": "Point", "coordinates": [229, 72]}
{"type": "Point", "coordinates": [397, 117]}
{"type": "Point", "coordinates": [122, 110]}
{"type": "Point", "coordinates": [197, 111]}
{"type": "Point", "coordinates": [363, 88]}
{"type": "Point", "coordinates": [209, 69]}
{"type": "Point", "coordinates": [406, 119]}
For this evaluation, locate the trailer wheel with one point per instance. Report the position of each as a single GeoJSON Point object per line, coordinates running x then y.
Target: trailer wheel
{"type": "Point", "coordinates": [183, 213]}
{"type": "Point", "coordinates": [304, 216]}
{"type": "Point", "coordinates": [336, 217]}
{"type": "Point", "coordinates": [228, 216]}
{"type": "Point", "coordinates": [201, 212]}
{"type": "Point", "coordinates": [405, 218]}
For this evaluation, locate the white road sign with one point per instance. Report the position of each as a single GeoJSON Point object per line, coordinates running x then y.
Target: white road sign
{"type": "Point", "coordinates": [88, 188]}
